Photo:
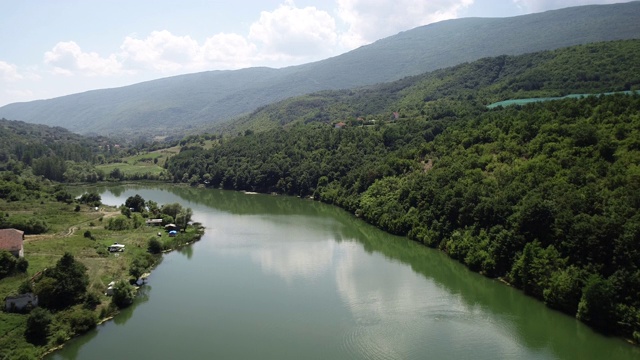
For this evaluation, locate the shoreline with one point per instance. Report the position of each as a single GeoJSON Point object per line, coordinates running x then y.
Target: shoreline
{"type": "Point", "coordinates": [112, 315]}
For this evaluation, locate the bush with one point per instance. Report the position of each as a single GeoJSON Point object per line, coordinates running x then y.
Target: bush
{"type": "Point", "coordinates": [123, 294]}
{"type": "Point", "coordinates": [155, 246]}
{"type": "Point", "coordinates": [92, 199]}
{"type": "Point", "coordinates": [7, 264]}
{"type": "Point", "coordinates": [119, 223]}
{"type": "Point", "coordinates": [38, 326]}
{"type": "Point", "coordinates": [91, 301]}
{"type": "Point", "coordinates": [81, 320]}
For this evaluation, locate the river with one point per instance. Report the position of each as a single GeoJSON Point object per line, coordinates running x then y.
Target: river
{"type": "Point", "coordinates": [284, 278]}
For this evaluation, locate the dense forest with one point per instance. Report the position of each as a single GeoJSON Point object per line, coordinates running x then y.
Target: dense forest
{"type": "Point", "coordinates": [544, 196]}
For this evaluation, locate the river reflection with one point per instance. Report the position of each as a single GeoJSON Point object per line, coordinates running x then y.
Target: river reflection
{"type": "Point", "coordinates": [285, 278]}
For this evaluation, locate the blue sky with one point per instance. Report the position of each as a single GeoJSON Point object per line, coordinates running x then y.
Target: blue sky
{"type": "Point", "coordinates": [51, 48]}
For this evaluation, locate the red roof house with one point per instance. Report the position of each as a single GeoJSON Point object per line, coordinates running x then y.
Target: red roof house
{"type": "Point", "coordinates": [11, 240]}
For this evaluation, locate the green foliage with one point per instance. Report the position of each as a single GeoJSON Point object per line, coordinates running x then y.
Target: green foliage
{"type": "Point", "coordinates": [119, 223]}
{"type": "Point", "coordinates": [564, 289]}
{"type": "Point", "coordinates": [171, 209]}
{"type": "Point", "coordinates": [91, 199]}
{"type": "Point", "coordinates": [64, 285]}
{"type": "Point", "coordinates": [596, 307]}
{"type": "Point", "coordinates": [123, 294]}
{"type": "Point", "coordinates": [30, 225]}
{"type": "Point", "coordinates": [9, 265]}
{"type": "Point", "coordinates": [38, 326]}
{"type": "Point", "coordinates": [135, 203]}
{"type": "Point", "coordinates": [141, 264]}
{"type": "Point", "coordinates": [155, 246]}
{"type": "Point", "coordinates": [78, 320]}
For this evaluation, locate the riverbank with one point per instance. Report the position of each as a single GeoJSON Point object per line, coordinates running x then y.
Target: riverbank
{"type": "Point", "coordinates": [82, 231]}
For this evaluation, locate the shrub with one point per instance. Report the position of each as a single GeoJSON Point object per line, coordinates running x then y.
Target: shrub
{"type": "Point", "coordinates": [123, 294]}
{"type": "Point", "coordinates": [38, 326]}
{"type": "Point", "coordinates": [119, 223]}
{"type": "Point", "coordinates": [155, 246]}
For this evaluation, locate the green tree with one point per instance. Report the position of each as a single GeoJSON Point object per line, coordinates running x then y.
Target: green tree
{"type": "Point", "coordinates": [155, 246]}
{"type": "Point", "coordinates": [37, 328]}
{"type": "Point", "coordinates": [119, 223]}
{"type": "Point", "coordinates": [596, 306]}
{"type": "Point", "coordinates": [91, 198]}
{"type": "Point", "coordinates": [140, 264]}
{"type": "Point", "coordinates": [8, 264]}
{"type": "Point", "coordinates": [64, 285]}
{"type": "Point", "coordinates": [123, 294]}
{"type": "Point", "coordinates": [116, 174]}
{"type": "Point", "coordinates": [184, 217]}
{"type": "Point", "coordinates": [171, 209]}
{"type": "Point", "coordinates": [564, 289]}
{"type": "Point", "coordinates": [136, 203]}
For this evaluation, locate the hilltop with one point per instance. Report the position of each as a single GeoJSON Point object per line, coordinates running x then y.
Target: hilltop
{"type": "Point", "coordinates": [182, 103]}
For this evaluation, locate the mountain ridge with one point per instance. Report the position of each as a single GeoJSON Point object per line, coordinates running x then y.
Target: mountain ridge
{"type": "Point", "coordinates": [183, 102]}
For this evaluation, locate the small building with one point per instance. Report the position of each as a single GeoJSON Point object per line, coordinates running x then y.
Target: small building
{"type": "Point", "coordinates": [116, 247]}
{"type": "Point", "coordinates": [340, 125]}
{"type": "Point", "coordinates": [20, 303]}
{"type": "Point", "coordinates": [153, 222]}
{"type": "Point", "coordinates": [170, 227]}
{"type": "Point", "coordinates": [12, 240]}
{"type": "Point", "coordinates": [109, 291]}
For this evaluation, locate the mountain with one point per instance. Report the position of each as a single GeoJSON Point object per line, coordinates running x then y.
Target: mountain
{"type": "Point", "coordinates": [183, 102]}
{"type": "Point", "coordinates": [582, 69]}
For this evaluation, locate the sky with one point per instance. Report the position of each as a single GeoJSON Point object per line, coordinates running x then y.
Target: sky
{"type": "Point", "coordinates": [51, 48]}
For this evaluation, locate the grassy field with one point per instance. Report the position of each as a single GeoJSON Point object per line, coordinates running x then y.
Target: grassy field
{"type": "Point", "coordinates": [128, 169]}
{"type": "Point", "coordinates": [67, 234]}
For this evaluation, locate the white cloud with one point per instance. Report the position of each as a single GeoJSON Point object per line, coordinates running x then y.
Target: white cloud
{"type": "Point", "coordinates": [532, 6]}
{"type": "Point", "coordinates": [370, 20]}
{"type": "Point", "coordinates": [295, 32]}
{"type": "Point", "coordinates": [161, 51]}
{"type": "Point", "coordinates": [9, 72]}
{"type": "Point", "coordinates": [67, 58]}
{"type": "Point", "coordinates": [282, 37]}
{"type": "Point", "coordinates": [227, 51]}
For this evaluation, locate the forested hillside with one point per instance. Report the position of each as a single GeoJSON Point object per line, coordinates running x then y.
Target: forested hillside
{"type": "Point", "coordinates": [544, 196]}
{"type": "Point", "coordinates": [185, 103]}
{"type": "Point", "coordinates": [591, 68]}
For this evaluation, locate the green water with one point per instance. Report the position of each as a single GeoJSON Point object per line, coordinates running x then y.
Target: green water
{"type": "Point", "coordinates": [286, 278]}
{"type": "Point", "coordinates": [532, 100]}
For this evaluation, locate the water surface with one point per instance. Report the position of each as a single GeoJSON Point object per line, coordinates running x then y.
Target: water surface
{"type": "Point", "coordinates": [285, 278]}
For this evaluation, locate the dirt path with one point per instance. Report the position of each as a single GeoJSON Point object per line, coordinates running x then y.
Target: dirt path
{"type": "Point", "coordinates": [71, 230]}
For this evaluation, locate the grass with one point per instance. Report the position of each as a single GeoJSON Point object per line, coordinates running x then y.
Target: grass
{"type": "Point", "coordinates": [146, 163]}
{"type": "Point", "coordinates": [128, 169]}
{"type": "Point", "coordinates": [66, 234]}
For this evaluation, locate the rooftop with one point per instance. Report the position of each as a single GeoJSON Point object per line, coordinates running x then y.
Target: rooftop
{"type": "Point", "coordinates": [11, 239]}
